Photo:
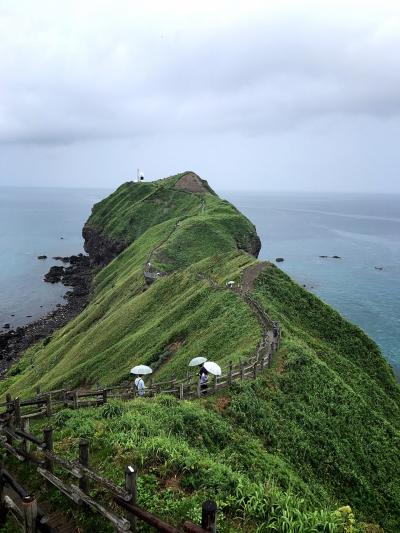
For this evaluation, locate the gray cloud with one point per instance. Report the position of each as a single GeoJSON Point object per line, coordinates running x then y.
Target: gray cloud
{"type": "Point", "coordinates": [71, 75]}
{"type": "Point", "coordinates": [302, 94]}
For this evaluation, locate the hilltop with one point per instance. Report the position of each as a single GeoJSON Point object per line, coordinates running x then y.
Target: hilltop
{"type": "Point", "coordinates": [317, 431]}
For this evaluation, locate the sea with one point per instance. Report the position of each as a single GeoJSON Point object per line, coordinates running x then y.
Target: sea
{"type": "Point", "coordinates": [362, 229]}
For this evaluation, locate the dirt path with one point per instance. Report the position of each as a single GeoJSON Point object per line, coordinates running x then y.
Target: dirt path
{"type": "Point", "coordinates": [251, 274]}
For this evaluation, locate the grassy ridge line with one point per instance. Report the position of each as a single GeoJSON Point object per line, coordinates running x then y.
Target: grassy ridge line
{"type": "Point", "coordinates": [321, 428]}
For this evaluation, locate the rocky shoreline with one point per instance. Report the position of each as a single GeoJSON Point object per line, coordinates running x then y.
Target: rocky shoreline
{"type": "Point", "coordinates": [77, 275]}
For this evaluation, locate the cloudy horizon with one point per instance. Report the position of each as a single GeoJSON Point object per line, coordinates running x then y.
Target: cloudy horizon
{"type": "Point", "coordinates": [250, 95]}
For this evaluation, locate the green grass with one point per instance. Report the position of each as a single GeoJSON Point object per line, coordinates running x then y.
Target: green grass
{"type": "Point", "coordinates": [318, 431]}
{"type": "Point", "coordinates": [187, 452]}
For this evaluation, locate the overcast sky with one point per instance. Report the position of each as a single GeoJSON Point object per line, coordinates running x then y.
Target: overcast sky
{"type": "Point", "coordinates": [275, 95]}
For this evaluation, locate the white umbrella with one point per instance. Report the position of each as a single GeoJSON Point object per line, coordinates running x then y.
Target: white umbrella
{"type": "Point", "coordinates": [197, 361]}
{"type": "Point", "coordinates": [141, 370]}
{"type": "Point", "coordinates": [213, 368]}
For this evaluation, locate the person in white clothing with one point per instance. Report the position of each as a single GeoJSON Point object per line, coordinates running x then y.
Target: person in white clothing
{"type": "Point", "coordinates": [139, 385]}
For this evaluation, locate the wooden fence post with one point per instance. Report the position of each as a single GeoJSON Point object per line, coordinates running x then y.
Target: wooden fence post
{"type": "Point", "coordinates": [181, 391]}
{"type": "Point", "coordinates": [3, 507]}
{"type": "Point", "coordinates": [26, 445]}
{"type": "Point", "coordinates": [269, 358]}
{"type": "Point", "coordinates": [48, 442]}
{"type": "Point", "coordinates": [230, 372]}
{"type": "Point", "coordinates": [215, 383]}
{"type": "Point", "coordinates": [29, 507]}
{"type": "Point", "coordinates": [131, 489]}
{"type": "Point", "coordinates": [241, 370]}
{"type": "Point", "coordinates": [17, 412]}
{"type": "Point", "coordinates": [255, 370]}
{"type": "Point", "coordinates": [49, 410]}
{"type": "Point", "coordinates": [105, 393]}
{"type": "Point", "coordinates": [75, 399]}
{"type": "Point", "coordinates": [8, 400]}
{"type": "Point", "coordinates": [262, 362]}
{"type": "Point", "coordinates": [84, 460]}
{"type": "Point", "coordinates": [209, 516]}
{"type": "Point", "coordinates": [38, 390]}
{"type": "Point", "coordinates": [10, 421]}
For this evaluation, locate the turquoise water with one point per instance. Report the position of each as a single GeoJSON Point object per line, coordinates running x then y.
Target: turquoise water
{"type": "Point", "coordinates": [364, 230]}
{"type": "Point", "coordinates": [32, 222]}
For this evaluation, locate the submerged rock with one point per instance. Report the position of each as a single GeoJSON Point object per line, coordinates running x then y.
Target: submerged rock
{"type": "Point", "coordinates": [42, 256]}
{"type": "Point", "coordinates": [279, 259]}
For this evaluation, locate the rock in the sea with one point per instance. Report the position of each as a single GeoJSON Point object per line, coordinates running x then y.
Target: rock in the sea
{"type": "Point", "coordinates": [378, 268]}
{"type": "Point", "coordinates": [279, 259]}
{"type": "Point", "coordinates": [336, 257]}
{"type": "Point", "coordinates": [54, 275]}
{"type": "Point", "coordinates": [7, 326]}
{"type": "Point", "coordinates": [42, 256]}
{"type": "Point", "coordinates": [323, 256]}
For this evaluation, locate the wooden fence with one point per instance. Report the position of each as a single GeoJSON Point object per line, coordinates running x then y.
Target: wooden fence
{"type": "Point", "coordinates": [45, 404]}
{"type": "Point", "coordinates": [17, 441]}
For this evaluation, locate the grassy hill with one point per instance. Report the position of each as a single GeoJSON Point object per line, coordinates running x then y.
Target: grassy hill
{"type": "Point", "coordinates": [318, 431]}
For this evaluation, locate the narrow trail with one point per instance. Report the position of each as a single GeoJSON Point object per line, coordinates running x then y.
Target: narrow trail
{"type": "Point", "coordinates": [151, 273]}
{"type": "Point", "coordinates": [269, 328]}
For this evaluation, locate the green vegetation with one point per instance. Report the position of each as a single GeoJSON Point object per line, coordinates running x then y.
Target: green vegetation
{"type": "Point", "coordinates": [317, 432]}
{"type": "Point", "coordinates": [187, 452]}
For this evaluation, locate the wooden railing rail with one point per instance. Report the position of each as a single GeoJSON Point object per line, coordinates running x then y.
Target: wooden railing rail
{"type": "Point", "coordinates": [124, 497]}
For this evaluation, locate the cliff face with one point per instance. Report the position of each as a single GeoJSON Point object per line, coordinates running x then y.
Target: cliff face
{"type": "Point", "coordinates": [101, 249]}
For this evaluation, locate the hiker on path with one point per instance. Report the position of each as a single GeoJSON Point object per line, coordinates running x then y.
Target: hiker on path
{"type": "Point", "coordinates": [139, 385]}
{"type": "Point", "coordinates": [202, 370]}
{"type": "Point", "coordinates": [203, 379]}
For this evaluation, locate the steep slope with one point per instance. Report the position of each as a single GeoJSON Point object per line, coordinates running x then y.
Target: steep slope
{"type": "Point", "coordinates": [319, 430]}
{"type": "Point", "coordinates": [135, 207]}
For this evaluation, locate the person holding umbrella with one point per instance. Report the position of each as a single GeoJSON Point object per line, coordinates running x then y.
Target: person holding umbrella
{"type": "Point", "coordinates": [203, 379]}
{"type": "Point", "coordinates": [139, 371]}
{"type": "Point", "coordinates": [139, 384]}
{"type": "Point", "coordinates": [203, 374]}
{"type": "Point", "coordinates": [199, 361]}
{"type": "Point", "coordinates": [209, 368]}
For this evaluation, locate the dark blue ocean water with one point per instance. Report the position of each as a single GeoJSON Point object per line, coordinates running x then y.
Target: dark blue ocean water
{"type": "Point", "coordinates": [363, 229]}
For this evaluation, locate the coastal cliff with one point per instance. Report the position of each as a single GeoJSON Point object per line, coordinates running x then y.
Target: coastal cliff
{"type": "Point", "coordinates": [134, 207]}
{"type": "Point", "coordinates": [316, 433]}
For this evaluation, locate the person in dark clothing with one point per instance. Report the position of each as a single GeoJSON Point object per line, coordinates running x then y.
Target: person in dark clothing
{"type": "Point", "coordinates": [204, 380]}
{"type": "Point", "coordinates": [201, 370]}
